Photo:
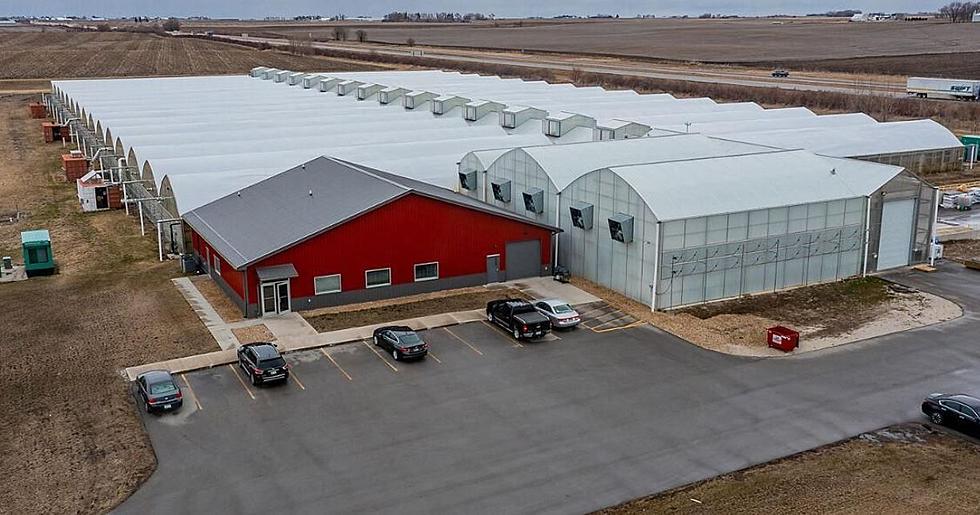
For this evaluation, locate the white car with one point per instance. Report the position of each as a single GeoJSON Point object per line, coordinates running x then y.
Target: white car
{"type": "Point", "coordinates": [562, 315]}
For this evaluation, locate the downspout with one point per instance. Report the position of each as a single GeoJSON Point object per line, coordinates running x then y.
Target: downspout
{"type": "Point", "coordinates": [867, 235]}
{"type": "Point", "coordinates": [932, 226]}
{"type": "Point", "coordinates": [656, 265]}
{"type": "Point", "coordinates": [558, 225]}
{"type": "Point", "coordinates": [245, 289]}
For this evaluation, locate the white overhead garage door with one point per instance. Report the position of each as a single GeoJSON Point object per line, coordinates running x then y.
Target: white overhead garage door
{"type": "Point", "coordinates": [895, 241]}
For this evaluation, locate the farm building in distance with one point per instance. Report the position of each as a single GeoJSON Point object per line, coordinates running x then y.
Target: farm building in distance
{"type": "Point", "coordinates": [529, 150]}
{"type": "Point", "coordinates": [330, 232]}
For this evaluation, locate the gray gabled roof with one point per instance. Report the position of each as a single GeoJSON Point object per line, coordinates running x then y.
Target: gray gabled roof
{"type": "Point", "coordinates": [302, 202]}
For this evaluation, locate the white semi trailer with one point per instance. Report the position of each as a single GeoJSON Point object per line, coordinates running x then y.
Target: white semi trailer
{"type": "Point", "coordinates": [949, 89]}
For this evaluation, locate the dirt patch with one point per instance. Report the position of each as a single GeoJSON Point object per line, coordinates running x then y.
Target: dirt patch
{"type": "Point", "coordinates": [227, 309]}
{"type": "Point", "coordinates": [253, 333]}
{"type": "Point", "coordinates": [834, 307]}
{"type": "Point", "coordinates": [901, 470]}
{"type": "Point", "coordinates": [825, 315]}
{"type": "Point", "coordinates": [70, 436]}
{"type": "Point", "coordinates": [401, 309]}
{"type": "Point", "coordinates": [960, 250]}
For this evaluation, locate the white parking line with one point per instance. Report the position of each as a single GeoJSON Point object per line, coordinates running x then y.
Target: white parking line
{"type": "Point", "coordinates": [190, 390]}
{"type": "Point", "coordinates": [378, 354]}
{"type": "Point", "coordinates": [342, 371]}
{"type": "Point", "coordinates": [468, 344]}
{"type": "Point", "coordinates": [241, 382]}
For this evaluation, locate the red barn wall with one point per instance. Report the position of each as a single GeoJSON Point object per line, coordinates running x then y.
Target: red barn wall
{"type": "Point", "coordinates": [409, 231]}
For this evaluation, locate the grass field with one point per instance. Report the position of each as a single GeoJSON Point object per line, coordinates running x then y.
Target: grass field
{"type": "Point", "coordinates": [56, 54]}
{"type": "Point", "coordinates": [711, 41]}
{"type": "Point", "coordinates": [70, 437]}
{"type": "Point", "coordinates": [908, 469]}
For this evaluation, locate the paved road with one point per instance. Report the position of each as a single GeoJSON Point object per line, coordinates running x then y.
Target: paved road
{"type": "Point", "coordinates": [570, 425]}
{"type": "Point", "coordinates": [806, 81]}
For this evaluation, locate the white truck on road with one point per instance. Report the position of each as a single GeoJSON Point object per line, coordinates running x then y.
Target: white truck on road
{"type": "Point", "coordinates": [949, 89]}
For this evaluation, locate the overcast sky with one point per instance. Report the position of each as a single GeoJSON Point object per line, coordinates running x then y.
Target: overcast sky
{"type": "Point", "coordinates": [502, 8]}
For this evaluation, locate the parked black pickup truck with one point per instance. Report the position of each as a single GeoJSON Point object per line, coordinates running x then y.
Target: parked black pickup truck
{"type": "Point", "coordinates": [519, 317]}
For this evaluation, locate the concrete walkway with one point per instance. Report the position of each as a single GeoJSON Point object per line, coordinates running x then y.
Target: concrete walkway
{"type": "Point", "coordinates": [548, 288]}
{"type": "Point", "coordinates": [292, 332]}
{"type": "Point", "coordinates": [220, 330]}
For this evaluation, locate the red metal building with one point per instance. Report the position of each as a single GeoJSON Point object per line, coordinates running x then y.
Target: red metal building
{"type": "Point", "coordinates": [330, 232]}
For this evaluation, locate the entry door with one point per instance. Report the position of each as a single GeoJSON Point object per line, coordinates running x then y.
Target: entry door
{"type": "Point", "coordinates": [101, 198]}
{"type": "Point", "coordinates": [493, 268]}
{"type": "Point", "coordinates": [275, 298]}
{"type": "Point", "coordinates": [895, 241]}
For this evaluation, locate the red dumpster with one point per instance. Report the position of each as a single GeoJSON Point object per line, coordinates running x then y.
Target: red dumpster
{"type": "Point", "coordinates": [782, 338]}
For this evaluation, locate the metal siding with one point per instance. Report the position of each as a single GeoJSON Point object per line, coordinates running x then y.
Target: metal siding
{"type": "Point", "coordinates": [399, 235]}
{"type": "Point", "coordinates": [231, 277]}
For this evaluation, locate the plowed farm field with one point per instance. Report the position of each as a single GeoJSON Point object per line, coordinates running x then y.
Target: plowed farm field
{"type": "Point", "coordinates": [55, 54]}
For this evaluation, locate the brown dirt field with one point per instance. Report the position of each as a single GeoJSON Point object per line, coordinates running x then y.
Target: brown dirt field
{"type": "Point", "coordinates": [960, 250]}
{"type": "Point", "coordinates": [46, 55]}
{"type": "Point", "coordinates": [70, 436]}
{"type": "Point", "coordinates": [359, 315]}
{"type": "Point", "coordinates": [744, 40]}
{"type": "Point", "coordinates": [253, 333]}
{"type": "Point", "coordinates": [743, 322]}
{"type": "Point", "coordinates": [227, 309]}
{"type": "Point", "coordinates": [906, 469]}
{"type": "Point", "coordinates": [961, 65]}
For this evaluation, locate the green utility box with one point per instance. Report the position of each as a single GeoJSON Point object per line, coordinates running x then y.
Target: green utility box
{"type": "Point", "coordinates": [38, 258]}
{"type": "Point", "coordinates": [971, 142]}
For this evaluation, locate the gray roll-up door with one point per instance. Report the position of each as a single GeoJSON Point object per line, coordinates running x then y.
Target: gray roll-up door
{"type": "Point", "coordinates": [895, 242]}
{"type": "Point", "coordinates": [523, 259]}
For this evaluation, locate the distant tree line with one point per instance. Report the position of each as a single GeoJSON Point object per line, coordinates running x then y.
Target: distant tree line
{"type": "Point", "coordinates": [959, 12]}
{"type": "Point", "coordinates": [442, 17]}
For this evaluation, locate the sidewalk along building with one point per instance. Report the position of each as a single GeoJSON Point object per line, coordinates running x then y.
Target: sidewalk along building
{"type": "Point", "coordinates": [692, 231]}
{"type": "Point", "coordinates": [330, 232]}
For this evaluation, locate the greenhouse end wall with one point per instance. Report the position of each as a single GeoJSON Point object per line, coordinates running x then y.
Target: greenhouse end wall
{"type": "Point", "coordinates": [627, 268]}
{"type": "Point", "coordinates": [724, 256]}
{"type": "Point", "coordinates": [524, 173]}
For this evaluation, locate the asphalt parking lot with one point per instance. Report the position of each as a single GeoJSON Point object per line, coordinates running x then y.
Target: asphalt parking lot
{"type": "Point", "coordinates": [587, 419]}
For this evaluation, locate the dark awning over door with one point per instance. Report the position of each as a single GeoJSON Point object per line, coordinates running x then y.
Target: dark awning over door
{"type": "Point", "coordinates": [276, 273]}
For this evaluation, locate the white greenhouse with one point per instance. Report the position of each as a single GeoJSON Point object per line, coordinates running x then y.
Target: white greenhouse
{"type": "Point", "coordinates": [686, 232]}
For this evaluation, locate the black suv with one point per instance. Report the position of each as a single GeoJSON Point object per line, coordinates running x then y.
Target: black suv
{"type": "Point", "coordinates": [262, 363]}
{"type": "Point", "coordinates": [401, 341]}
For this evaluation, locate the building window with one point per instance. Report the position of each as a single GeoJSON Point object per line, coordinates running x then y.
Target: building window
{"type": "Point", "coordinates": [426, 271]}
{"type": "Point", "coordinates": [378, 277]}
{"type": "Point", "coordinates": [326, 284]}
{"type": "Point", "coordinates": [217, 264]}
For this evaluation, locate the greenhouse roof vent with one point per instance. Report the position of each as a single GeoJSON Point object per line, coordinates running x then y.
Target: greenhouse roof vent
{"type": "Point", "coordinates": [416, 99]}
{"type": "Point", "coordinates": [619, 129]}
{"type": "Point", "coordinates": [558, 125]}
{"type": "Point", "coordinates": [476, 110]}
{"type": "Point", "coordinates": [446, 103]}
{"type": "Point", "coordinates": [514, 117]}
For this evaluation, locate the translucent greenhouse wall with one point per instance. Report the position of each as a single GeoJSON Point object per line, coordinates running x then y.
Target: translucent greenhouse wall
{"type": "Point", "coordinates": [723, 256]}
{"type": "Point", "coordinates": [924, 162]}
{"type": "Point", "coordinates": [525, 174]}
{"type": "Point", "coordinates": [627, 268]}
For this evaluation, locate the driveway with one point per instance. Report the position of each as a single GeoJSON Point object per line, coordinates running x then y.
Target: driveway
{"type": "Point", "coordinates": [567, 425]}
